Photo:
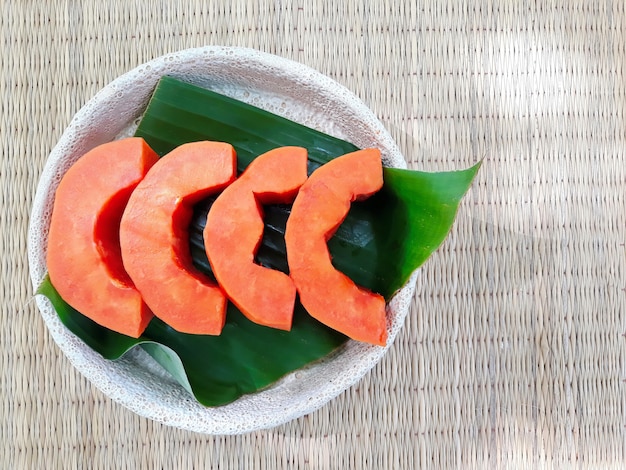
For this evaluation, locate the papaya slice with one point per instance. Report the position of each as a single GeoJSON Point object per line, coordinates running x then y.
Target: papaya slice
{"type": "Point", "coordinates": [154, 236]}
{"type": "Point", "coordinates": [84, 258]}
{"type": "Point", "coordinates": [234, 229]}
{"type": "Point", "coordinates": [321, 205]}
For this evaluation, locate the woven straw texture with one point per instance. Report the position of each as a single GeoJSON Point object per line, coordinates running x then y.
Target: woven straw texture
{"type": "Point", "coordinates": [514, 353]}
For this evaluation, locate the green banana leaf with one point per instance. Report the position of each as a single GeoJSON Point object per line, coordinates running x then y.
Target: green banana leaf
{"type": "Point", "coordinates": [381, 242]}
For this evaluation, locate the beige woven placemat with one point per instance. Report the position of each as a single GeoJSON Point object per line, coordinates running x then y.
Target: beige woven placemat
{"type": "Point", "coordinates": [514, 354]}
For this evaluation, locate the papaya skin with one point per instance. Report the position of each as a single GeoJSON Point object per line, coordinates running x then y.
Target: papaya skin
{"type": "Point", "coordinates": [84, 257]}
{"type": "Point", "coordinates": [234, 230]}
{"type": "Point", "coordinates": [155, 241]}
{"type": "Point", "coordinates": [321, 205]}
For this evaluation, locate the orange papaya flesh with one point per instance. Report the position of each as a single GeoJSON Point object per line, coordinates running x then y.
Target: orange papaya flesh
{"type": "Point", "coordinates": [234, 229]}
{"type": "Point", "coordinates": [84, 256]}
{"type": "Point", "coordinates": [321, 205]}
{"type": "Point", "coordinates": [155, 242]}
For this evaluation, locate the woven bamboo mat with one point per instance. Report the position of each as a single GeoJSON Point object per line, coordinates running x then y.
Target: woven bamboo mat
{"type": "Point", "coordinates": [513, 355]}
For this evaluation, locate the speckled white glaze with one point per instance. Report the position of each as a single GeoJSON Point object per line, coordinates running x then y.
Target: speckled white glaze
{"type": "Point", "coordinates": [278, 85]}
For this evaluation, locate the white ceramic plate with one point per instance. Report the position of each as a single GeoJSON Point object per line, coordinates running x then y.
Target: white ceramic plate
{"type": "Point", "coordinates": [278, 85]}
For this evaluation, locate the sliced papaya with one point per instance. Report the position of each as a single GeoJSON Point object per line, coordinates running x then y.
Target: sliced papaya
{"type": "Point", "coordinates": [321, 205]}
{"type": "Point", "coordinates": [154, 236]}
{"type": "Point", "coordinates": [234, 229]}
{"type": "Point", "coordinates": [84, 258]}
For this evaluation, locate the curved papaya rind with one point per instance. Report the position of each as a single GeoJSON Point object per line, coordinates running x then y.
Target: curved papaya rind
{"type": "Point", "coordinates": [84, 257]}
{"type": "Point", "coordinates": [321, 205]}
{"type": "Point", "coordinates": [154, 236]}
{"type": "Point", "coordinates": [234, 230]}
